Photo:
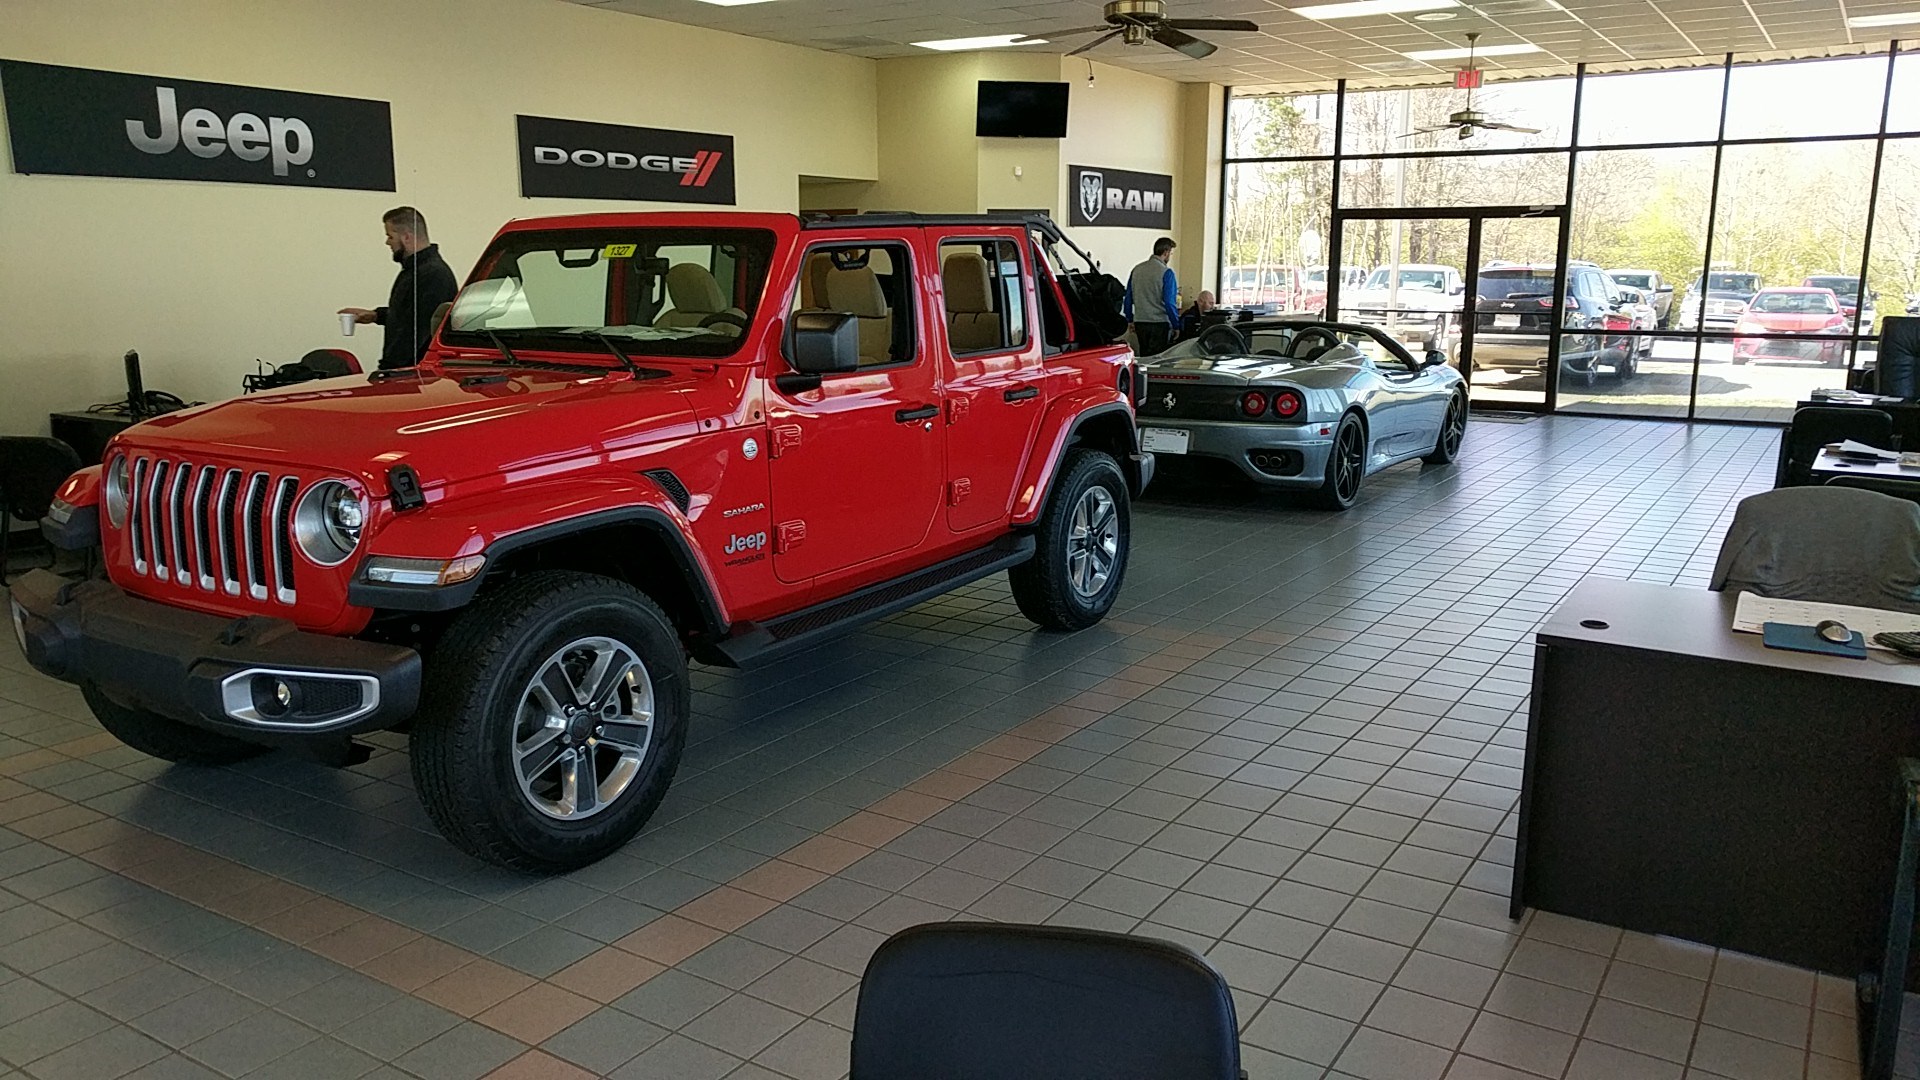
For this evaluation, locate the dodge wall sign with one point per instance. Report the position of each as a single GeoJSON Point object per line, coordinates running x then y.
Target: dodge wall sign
{"type": "Point", "coordinates": [1116, 197]}
{"type": "Point", "coordinates": [81, 122]}
{"type": "Point", "coordinates": [573, 159]}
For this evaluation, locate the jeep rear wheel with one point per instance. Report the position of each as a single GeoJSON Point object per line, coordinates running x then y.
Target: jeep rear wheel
{"type": "Point", "coordinates": [164, 738]}
{"type": "Point", "coordinates": [1081, 545]}
{"type": "Point", "coordinates": [554, 717]}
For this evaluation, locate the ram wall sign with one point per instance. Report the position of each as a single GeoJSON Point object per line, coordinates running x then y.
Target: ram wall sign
{"type": "Point", "coordinates": [82, 122]}
{"type": "Point", "coordinates": [1122, 199]}
{"type": "Point", "coordinates": [574, 159]}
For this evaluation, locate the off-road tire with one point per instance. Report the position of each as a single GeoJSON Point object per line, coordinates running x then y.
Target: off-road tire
{"type": "Point", "coordinates": [1043, 585]}
{"type": "Point", "coordinates": [163, 737]}
{"type": "Point", "coordinates": [1340, 491]}
{"type": "Point", "coordinates": [1453, 432]}
{"type": "Point", "coordinates": [476, 678]}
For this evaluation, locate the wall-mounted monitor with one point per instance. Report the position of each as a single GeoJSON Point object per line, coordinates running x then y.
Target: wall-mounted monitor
{"type": "Point", "coordinates": [1021, 110]}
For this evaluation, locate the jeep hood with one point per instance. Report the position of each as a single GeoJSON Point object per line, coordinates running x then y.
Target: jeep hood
{"type": "Point", "coordinates": [465, 423]}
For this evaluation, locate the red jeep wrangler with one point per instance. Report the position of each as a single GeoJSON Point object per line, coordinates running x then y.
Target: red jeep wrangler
{"type": "Point", "coordinates": [637, 437]}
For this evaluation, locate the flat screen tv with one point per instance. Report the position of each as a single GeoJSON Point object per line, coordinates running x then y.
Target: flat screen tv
{"type": "Point", "coordinates": [1021, 110]}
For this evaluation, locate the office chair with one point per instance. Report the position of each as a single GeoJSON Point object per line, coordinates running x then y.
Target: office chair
{"type": "Point", "coordinates": [331, 363]}
{"type": "Point", "coordinates": [1833, 544]}
{"type": "Point", "coordinates": [1885, 485]}
{"type": "Point", "coordinates": [31, 470]}
{"type": "Point", "coordinates": [1897, 368]}
{"type": "Point", "coordinates": [998, 1001]}
{"type": "Point", "coordinates": [1816, 426]}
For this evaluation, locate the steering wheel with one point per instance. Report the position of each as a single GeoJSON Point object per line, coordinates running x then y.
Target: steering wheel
{"type": "Point", "coordinates": [1221, 340]}
{"type": "Point", "coordinates": [1309, 333]}
{"type": "Point", "coordinates": [725, 318]}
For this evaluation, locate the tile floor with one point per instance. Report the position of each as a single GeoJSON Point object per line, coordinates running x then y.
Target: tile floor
{"type": "Point", "coordinates": [1295, 747]}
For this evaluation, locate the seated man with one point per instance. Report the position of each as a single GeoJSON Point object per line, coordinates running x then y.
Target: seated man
{"type": "Point", "coordinates": [1195, 317]}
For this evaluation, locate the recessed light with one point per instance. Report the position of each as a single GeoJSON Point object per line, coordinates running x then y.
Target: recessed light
{"type": "Point", "coordinates": [1359, 8]}
{"type": "Point", "coordinates": [1462, 54]}
{"type": "Point", "coordinates": [732, 3]}
{"type": "Point", "coordinates": [992, 41]}
{"type": "Point", "coordinates": [1436, 16]}
{"type": "Point", "coordinates": [1898, 18]}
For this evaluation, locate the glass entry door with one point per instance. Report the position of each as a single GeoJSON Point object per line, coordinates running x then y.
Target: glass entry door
{"type": "Point", "coordinates": [1483, 285]}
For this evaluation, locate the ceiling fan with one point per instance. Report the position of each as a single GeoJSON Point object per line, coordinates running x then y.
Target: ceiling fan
{"type": "Point", "coordinates": [1140, 21]}
{"type": "Point", "coordinates": [1469, 120]}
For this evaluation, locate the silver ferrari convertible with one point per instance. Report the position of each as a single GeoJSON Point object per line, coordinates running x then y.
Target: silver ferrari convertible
{"type": "Point", "coordinates": [1294, 403]}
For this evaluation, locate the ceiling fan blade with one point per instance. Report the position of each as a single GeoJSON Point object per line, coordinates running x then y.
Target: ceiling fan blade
{"type": "Point", "coordinates": [1211, 24]}
{"type": "Point", "coordinates": [1181, 41]}
{"type": "Point", "coordinates": [1097, 42]}
{"type": "Point", "coordinates": [1494, 126]}
{"type": "Point", "coordinates": [1051, 34]}
{"type": "Point", "coordinates": [1428, 130]}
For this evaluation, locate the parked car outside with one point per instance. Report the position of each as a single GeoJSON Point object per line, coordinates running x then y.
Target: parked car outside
{"type": "Point", "coordinates": [1812, 312]}
{"type": "Point", "coordinates": [1725, 296]}
{"type": "Point", "coordinates": [1653, 283]}
{"type": "Point", "coordinates": [1302, 404]}
{"type": "Point", "coordinates": [1420, 305]}
{"type": "Point", "coordinates": [1644, 315]}
{"type": "Point", "coordinates": [1269, 288]}
{"type": "Point", "coordinates": [1315, 286]}
{"type": "Point", "coordinates": [1513, 323]}
{"type": "Point", "coordinates": [1847, 289]}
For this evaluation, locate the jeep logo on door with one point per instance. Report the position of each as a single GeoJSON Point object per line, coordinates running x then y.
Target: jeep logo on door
{"type": "Point", "coordinates": [81, 122]}
{"type": "Point", "coordinates": [574, 159]}
{"type": "Point", "coordinates": [1116, 197]}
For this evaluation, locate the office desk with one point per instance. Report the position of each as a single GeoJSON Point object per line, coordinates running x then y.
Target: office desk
{"type": "Point", "coordinates": [87, 432]}
{"type": "Point", "coordinates": [1828, 465]}
{"type": "Point", "coordinates": [1684, 779]}
{"type": "Point", "coordinates": [1906, 416]}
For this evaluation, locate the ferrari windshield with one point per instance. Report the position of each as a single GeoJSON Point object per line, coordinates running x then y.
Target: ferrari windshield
{"type": "Point", "coordinates": [674, 292]}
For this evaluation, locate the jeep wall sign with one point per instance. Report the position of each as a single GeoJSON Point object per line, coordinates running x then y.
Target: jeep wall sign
{"type": "Point", "coordinates": [1118, 198]}
{"type": "Point", "coordinates": [81, 122]}
{"type": "Point", "coordinates": [574, 159]}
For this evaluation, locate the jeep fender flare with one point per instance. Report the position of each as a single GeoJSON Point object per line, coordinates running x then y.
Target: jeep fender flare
{"type": "Point", "coordinates": [588, 506]}
{"type": "Point", "coordinates": [1070, 418]}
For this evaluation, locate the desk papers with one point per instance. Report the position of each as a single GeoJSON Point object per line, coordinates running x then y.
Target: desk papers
{"type": "Point", "coordinates": [1752, 612]}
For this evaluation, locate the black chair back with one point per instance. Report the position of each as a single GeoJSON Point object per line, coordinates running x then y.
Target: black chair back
{"type": "Point", "coordinates": [1816, 426]}
{"type": "Point", "coordinates": [998, 1001]}
{"type": "Point", "coordinates": [331, 363]}
{"type": "Point", "coordinates": [1885, 485]}
{"type": "Point", "coordinates": [1897, 369]}
{"type": "Point", "coordinates": [31, 471]}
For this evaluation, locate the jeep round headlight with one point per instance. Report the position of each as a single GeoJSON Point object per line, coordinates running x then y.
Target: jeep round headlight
{"type": "Point", "coordinates": [326, 524]}
{"type": "Point", "coordinates": [119, 490]}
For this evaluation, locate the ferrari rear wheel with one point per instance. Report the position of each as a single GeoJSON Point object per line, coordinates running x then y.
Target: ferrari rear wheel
{"type": "Point", "coordinates": [1346, 465]}
{"type": "Point", "coordinates": [1453, 430]}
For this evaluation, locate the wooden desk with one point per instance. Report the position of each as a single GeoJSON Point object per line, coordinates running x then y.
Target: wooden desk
{"type": "Point", "coordinates": [1684, 779]}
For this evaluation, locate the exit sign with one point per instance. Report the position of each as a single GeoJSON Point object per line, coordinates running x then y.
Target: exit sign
{"type": "Point", "coordinates": [1468, 79]}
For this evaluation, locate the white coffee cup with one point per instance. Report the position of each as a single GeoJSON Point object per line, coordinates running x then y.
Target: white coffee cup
{"type": "Point", "coordinates": [346, 324]}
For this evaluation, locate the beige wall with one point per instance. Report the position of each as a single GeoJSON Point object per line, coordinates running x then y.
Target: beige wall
{"type": "Point", "coordinates": [1123, 120]}
{"type": "Point", "coordinates": [203, 278]}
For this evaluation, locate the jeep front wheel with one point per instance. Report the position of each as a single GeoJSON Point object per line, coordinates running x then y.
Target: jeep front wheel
{"type": "Point", "coordinates": [554, 717]}
{"type": "Point", "coordinates": [1080, 553]}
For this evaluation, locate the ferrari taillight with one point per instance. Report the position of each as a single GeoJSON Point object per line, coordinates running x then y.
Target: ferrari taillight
{"type": "Point", "coordinates": [1253, 403]}
{"type": "Point", "coordinates": [1286, 404]}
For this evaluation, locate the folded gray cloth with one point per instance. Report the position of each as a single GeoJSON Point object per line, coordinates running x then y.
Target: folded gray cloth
{"type": "Point", "coordinates": [1832, 545]}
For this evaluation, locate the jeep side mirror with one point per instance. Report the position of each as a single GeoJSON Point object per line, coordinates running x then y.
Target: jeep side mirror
{"type": "Point", "coordinates": [823, 343]}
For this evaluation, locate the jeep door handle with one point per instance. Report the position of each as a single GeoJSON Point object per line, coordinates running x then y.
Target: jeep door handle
{"type": "Point", "coordinates": [1025, 393]}
{"type": "Point", "coordinates": [924, 412]}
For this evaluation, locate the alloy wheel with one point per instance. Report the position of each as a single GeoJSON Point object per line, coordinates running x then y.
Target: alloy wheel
{"type": "Point", "coordinates": [1348, 462]}
{"type": "Point", "coordinates": [1093, 542]}
{"type": "Point", "coordinates": [583, 728]}
{"type": "Point", "coordinates": [1456, 427]}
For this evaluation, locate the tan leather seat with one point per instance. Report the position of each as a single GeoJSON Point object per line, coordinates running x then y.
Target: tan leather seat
{"type": "Point", "coordinates": [972, 325]}
{"type": "Point", "coordinates": [696, 296]}
{"type": "Point", "coordinates": [857, 292]}
{"type": "Point", "coordinates": [813, 281]}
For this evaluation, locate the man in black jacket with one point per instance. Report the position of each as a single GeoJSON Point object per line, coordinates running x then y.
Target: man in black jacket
{"type": "Point", "coordinates": [423, 284]}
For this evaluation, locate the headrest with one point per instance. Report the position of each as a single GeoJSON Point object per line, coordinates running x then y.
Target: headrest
{"type": "Point", "coordinates": [813, 280]}
{"type": "Point", "coordinates": [692, 288]}
{"type": "Point", "coordinates": [968, 282]}
{"type": "Point", "coordinates": [332, 361]}
{"type": "Point", "coordinates": [856, 292]}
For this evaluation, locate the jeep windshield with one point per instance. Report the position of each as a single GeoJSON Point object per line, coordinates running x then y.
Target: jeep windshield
{"type": "Point", "coordinates": [656, 292]}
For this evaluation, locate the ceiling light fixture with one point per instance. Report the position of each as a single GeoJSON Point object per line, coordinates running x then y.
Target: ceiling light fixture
{"type": "Point", "coordinates": [993, 41]}
{"type": "Point", "coordinates": [1436, 16]}
{"type": "Point", "coordinates": [1360, 8]}
{"type": "Point", "coordinates": [1462, 54]}
{"type": "Point", "coordinates": [732, 3]}
{"type": "Point", "coordinates": [1898, 18]}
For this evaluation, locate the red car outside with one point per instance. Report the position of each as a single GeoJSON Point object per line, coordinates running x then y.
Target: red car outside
{"type": "Point", "coordinates": [1792, 311]}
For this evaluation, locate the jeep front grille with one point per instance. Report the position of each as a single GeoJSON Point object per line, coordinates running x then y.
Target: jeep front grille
{"type": "Point", "coordinates": [201, 526]}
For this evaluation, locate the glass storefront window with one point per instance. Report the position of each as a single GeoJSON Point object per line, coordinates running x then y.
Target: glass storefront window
{"type": "Point", "coordinates": [1802, 98]}
{"type": "Point", "coordinates": [1276, 235]}
{"type": "Point", "coordinates": [1651, 107]}
{"type": "Point", "coordinates": [1903, 112]}
{"type": "Point", "coordinates": [1385, 121]}
{"type": "Point", "coordinates": [1275, 125]}
{"type": "Point", "coordinates": [1495, 180]}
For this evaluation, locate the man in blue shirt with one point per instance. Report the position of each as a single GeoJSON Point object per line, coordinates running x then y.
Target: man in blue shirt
{"type": "Point", "coordinates": [1153, 300]}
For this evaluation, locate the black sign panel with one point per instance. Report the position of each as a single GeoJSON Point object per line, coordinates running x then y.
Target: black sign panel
{"type": "Point", "coordinates": [1116, 197]}
{"type": "Point", "coordinates": [574, 159]}
{"type": "Point", "coordinates": [81, 122]}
